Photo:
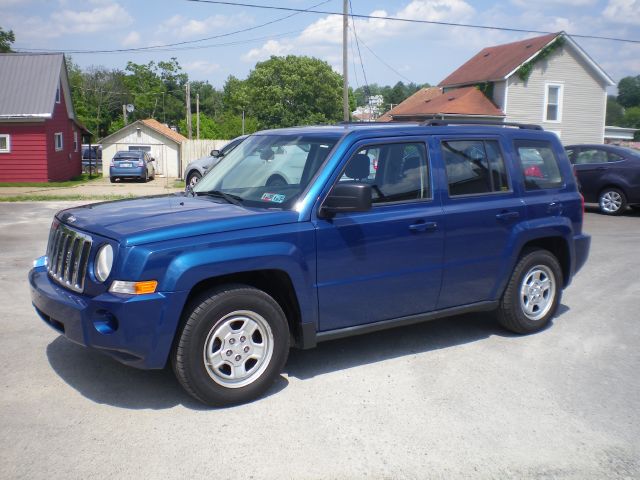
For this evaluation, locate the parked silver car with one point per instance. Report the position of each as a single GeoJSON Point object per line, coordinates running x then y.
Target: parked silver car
{"type": "Point", "coordinates": [198, 168]}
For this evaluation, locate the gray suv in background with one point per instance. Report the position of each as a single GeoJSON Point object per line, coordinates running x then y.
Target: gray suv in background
{"type": "Point", "coordinates": [198, 168]}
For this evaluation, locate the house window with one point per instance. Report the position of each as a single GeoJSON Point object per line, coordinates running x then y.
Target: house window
{"type": "Point", "coordinates": [58, 94]}
{"type": "Point", "coordinates": [58, 141]}
{"type": "Point", "coordinates": [5, 143]}
{"type": "Point", "coordinates": [75, 141]}
{"type": "Point", "coordinates": [553, 103]}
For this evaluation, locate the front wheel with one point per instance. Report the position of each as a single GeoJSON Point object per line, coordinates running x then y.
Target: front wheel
{"type": "Point", "coordinates": [193, 178]}
{"type": "Point", "coordinates": [233, 345]}
{"type": "Point", "coordinates": [612, 201]}
{"type": "Point", "coordinates": [533, 293]}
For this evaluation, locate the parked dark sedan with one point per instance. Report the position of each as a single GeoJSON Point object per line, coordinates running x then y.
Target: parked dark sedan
{"type": "Point", "coordinates": [608, 175]}
{"type": "Point", "coordinates": [133, 164]}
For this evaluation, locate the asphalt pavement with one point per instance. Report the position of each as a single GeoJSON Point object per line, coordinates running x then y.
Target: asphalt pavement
{"type": "Point", "coordinates": [453, 398]}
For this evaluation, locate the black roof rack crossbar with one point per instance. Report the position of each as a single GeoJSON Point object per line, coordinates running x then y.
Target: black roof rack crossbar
{"type": "Point", "coordinates": [440, 123]}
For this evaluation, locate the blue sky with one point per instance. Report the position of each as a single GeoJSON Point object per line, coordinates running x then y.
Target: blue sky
{"type": "Point", "coordinates": [391, 51]}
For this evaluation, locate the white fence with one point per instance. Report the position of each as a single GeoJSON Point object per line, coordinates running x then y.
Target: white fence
{"type": "Point", "coordinates": [194, 149]}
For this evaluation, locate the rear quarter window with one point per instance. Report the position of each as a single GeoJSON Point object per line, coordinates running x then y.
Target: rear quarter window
{"type": "Point", "coordinates": [539, 165]}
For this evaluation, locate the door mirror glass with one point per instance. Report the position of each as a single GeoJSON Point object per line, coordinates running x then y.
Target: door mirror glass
{"type": "Point", "coordinates": [215, 153]}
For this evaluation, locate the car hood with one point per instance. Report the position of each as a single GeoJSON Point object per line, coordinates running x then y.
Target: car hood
{"type": "Point", "coordinates": [151, 219]}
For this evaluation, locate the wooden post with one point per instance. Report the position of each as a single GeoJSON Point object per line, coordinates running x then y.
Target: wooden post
{"type": "Point", "coordinates": [124, 114]}
{"type": "Point", "coordinates": [188, 101]}
{"type": "Point", "coordinates": [198, 116]}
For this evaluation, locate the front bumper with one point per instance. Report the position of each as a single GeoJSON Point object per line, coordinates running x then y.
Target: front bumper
{"type": "Point", "coordinates": [135, 330]}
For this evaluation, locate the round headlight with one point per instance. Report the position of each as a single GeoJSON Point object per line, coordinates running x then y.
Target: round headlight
{"type": "Point", "coordinates": [104, 262]}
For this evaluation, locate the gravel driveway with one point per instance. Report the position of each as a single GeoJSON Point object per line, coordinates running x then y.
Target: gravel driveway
{"type": "Point", "coordinates": [452, 398]}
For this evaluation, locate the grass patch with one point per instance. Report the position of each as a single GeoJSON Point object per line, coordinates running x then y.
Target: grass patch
{"type": "Point", "coordinates": [46, 198]}
{"type": "Point", "coordinates": [178, 184]}
{"type": "Point", "coordinates": [84, 178]}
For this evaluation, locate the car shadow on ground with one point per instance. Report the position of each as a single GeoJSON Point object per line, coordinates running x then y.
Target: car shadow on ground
{"type": "Point", "coordinates": [105, 381]}
{"type": "Point", "coordinates": [397, 342]}
{"type": "Point", "coordinates": [629, 212]}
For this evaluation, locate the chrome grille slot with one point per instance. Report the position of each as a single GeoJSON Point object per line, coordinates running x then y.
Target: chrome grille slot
{"type": "Point", "coordinates": [68, 256]}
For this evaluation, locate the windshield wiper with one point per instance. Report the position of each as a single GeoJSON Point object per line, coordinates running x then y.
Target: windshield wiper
{"type": "Point", "coordinates": [229, 197]}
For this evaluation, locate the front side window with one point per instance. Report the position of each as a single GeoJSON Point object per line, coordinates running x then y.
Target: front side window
{"type": "Point", "coordinates": [539, 165]}
{"type": "Point", "coordinates": [474, 167]}
{"type": "Point", "coordinates": [553, 103]}
{"type": "Point", "coordinates": [5, 143]}
{"type": "Point", "coordinates": [397, 172]}
{"type": "Point", "coordinates": [268, 171]}
{"type": "Point", "coordinates": [58, 141]}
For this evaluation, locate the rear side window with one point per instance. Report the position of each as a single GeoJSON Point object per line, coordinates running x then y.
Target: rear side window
{"type": "Point", "coordinates": [539, 165]}
{"type": "Point", "coordinates": [474, 167]}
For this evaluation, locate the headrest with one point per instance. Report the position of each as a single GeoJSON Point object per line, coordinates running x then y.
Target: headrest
{"type": "Point", "coordinates": [358, 167]}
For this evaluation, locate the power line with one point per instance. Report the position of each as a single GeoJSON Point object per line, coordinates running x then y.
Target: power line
{"type": "Point", "coordinates": [364, 75]}
{"type": "Point", "coordinates": [164, 47]}
{"type": "Point", "coordinates": [408, 20]}
{"type": "Point", "coordinates": [385, 63]}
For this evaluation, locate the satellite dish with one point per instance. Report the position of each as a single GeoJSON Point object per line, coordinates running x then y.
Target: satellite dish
{"type": "Point", "coordinates": [130, 108]}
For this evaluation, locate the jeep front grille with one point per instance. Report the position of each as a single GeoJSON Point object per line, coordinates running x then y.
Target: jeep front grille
{"type": "Point", "coordinates": [68, 256]}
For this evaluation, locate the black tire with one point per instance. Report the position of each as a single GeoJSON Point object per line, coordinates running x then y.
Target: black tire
{"type": "Point", "coordinates": [112, 179]}
{"type": "Point", "coordinates": [511, 311]}
{"type": "Point", "coordinates": [612, 201]}
{"type": "Point", "coordinates": [276, 181]}
{"type": "Point", "coordinates": [224, 310]}
{"type": "Point", "coordinates": [145, 178]}
{"type": "Point", "coordinates": [193, 178]}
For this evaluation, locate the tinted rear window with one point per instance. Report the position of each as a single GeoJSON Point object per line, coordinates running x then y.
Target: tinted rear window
{"type": "Point", "coordinates": [539, 165]}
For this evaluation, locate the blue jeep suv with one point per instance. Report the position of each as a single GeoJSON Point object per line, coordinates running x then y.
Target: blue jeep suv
{"type": "Point", "coordinates": [377, 225]}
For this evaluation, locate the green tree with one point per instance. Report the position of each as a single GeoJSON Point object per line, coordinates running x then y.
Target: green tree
{"type": "Point", "coordinates": [632, 119]}
{"type": "Point", "coordinates": [615, 112]}
{"type": "Point", "coordinates": [146, 89]}
{"type": "Point", "coordinates": [629, 91]}
{"type": "Point", "coordinates": [211, 100]}
{"type": "Point", "coordinates": [223, 128]}
{"type": "Point", "coordinates": [6, 39]}
{"type": "Point", "coordinates": [288, 91]}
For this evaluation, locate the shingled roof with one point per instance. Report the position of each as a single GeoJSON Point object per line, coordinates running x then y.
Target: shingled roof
{"type": "Point", "coordinates": [496, 63]}
{"type": "Point", "coordinates": [431, 102]}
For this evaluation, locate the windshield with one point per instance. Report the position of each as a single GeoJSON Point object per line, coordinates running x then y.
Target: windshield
{"type": "Point", "coordinates": [268, 170]}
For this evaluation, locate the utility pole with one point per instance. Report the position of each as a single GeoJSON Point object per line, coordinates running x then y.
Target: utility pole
{"type": "Point", "coordinates": [188, 100]}
{"type": "Point", "coordinates": [243, 122]}
{"type": "Point", "coordinates": [198, 116]}
{"type": "Point", "coordinates": [124, 114]}
{"type": "Point", "coordinates": [345, 67]}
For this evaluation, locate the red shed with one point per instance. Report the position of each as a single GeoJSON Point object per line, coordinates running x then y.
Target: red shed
{"type": "Point", "coordinates": [40, 137]}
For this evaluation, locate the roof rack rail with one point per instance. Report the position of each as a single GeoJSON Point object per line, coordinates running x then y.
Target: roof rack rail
{"type": "Point", "coordinates": [440, 123]}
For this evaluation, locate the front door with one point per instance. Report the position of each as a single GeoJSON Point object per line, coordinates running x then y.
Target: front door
{"type": "Point", "coordinates": [384, 263]}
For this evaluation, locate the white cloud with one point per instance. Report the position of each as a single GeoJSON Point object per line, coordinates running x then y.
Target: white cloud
{"type": "Point", "coordinates": [623, 11]}
{"type": "Point", "coordinates": [131, 40]}
{"type": "Point", "coordinates": [272, 47]}
{"type": "Point", "coordinates": [183, 27]}
{"type": "Point", "coordinates": [201, 66]}
{"type": "Point", "coordinates": [103, 17]}
{"type": "Point", "coordinates": [553, 3]}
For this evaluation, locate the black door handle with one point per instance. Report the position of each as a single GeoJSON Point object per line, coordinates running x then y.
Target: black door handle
{"type": "Point", "coordinates": [508, 215]}
{"type": "Point", "coordinates": [423, 227]}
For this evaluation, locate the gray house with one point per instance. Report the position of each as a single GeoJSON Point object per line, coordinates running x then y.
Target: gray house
{"type": "Point", "coordinates": [548, 80]}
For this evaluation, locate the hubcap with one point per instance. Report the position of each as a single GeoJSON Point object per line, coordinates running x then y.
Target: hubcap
{"type": "Point", "coordinates": [537, 292]}
{"type": "Point", "coordinates": [193, 180]}
{"type": "Point", "coordinates": [238, 349]}
{"type": "Point", "coordinates": [611, 201]}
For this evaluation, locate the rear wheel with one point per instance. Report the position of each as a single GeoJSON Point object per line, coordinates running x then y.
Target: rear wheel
{"type": "Point", "coordinates": [612, 201]}
{"type": "Point", "coordinates": [233, 345]}
{"type": "Point", "coordinates": [112, 179]}
{"type": "Point", "coordinates": [533, 293]}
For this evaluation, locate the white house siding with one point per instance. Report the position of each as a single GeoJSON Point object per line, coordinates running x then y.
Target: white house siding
{"type": "Point", "coordinates": [165, 151]}
{"type": "Point", "coordinates": [583, 104]}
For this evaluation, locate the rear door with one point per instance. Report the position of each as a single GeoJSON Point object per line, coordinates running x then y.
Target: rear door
{"type": "Point", "coordinates": [481, 210]}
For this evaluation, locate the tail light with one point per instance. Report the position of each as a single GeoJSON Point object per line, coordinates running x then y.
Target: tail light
{"type": "Point", "coordinates": [140, 163]}
{"type": "Point", "coordinates": [113, 164]}
{"type": "Point", "coordinates": [582, 203]}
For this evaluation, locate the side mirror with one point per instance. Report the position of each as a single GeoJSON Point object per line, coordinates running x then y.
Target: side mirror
{"type": "Point", "coordinates": [215, 153]}
{"type": "Point", "coordinates": [347, 197]}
